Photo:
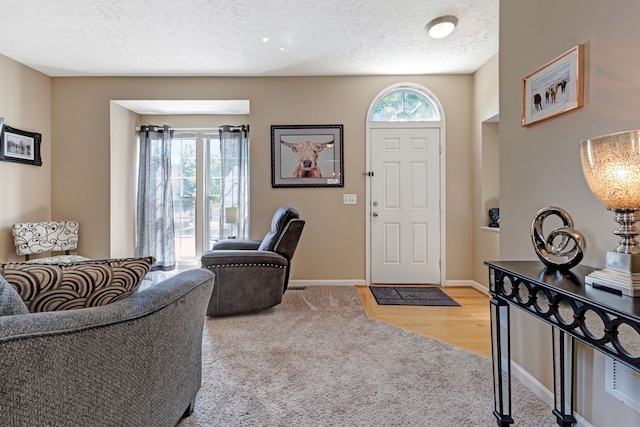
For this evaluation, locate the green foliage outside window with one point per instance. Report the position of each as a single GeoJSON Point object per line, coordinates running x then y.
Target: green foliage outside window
{"type": "Point", "coordinates": [404, 105]}
{"type": "Point", "coordinates": [183, 180]}
{"type": "Point", "coordinates": [215, 163]}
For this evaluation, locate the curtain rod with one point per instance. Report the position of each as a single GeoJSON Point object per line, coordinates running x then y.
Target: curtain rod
{"type": "Point", "coordinates": [199, 129]}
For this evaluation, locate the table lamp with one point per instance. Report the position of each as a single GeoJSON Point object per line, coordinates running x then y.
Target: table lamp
{"type": "Point", "coordinates": [231, 217]}
{"type": "Point", "coordinates": [611, 166]}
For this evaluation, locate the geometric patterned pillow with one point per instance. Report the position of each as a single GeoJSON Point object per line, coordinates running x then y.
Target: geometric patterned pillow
{"type": "Point", "coordinates": [50, 287]}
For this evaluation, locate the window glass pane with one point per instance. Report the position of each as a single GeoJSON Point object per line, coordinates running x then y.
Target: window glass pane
{"type": "Point", "coordinates": [183, 180]}
{"type": "Point", "coordinates": [405, 104]}
{"type": "Point", "coordinates": [188, 200]}
{"type": "Point", "coordinates": [213, 179]}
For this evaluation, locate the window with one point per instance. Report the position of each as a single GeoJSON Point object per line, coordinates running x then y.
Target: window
{"type": "Point", "coordinates": [405, 104]}
{"type": "Point", "coordinates": [196, 212]}
{"type": "Point", "coordinates": [184, 184]}
{"type": "Point", "coordinates": [213, 189]}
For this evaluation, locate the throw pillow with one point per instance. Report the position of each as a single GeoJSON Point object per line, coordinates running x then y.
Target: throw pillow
{"type": "Point", "coordinates": [10, 301]}
{"type": "Point", "coordinates": [50, 287]}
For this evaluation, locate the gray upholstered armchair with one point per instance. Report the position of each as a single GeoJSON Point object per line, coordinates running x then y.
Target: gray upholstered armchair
{"type": "Point", "coordinates": [133, 362]}
{"type": "Point", "coordinates": [252, 275]}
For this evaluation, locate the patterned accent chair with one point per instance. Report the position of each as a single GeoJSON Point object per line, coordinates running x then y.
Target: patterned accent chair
{"type": "Point", "coordinates": [33, 238]}
{"type": "Point", "coordinates": [252, 275]}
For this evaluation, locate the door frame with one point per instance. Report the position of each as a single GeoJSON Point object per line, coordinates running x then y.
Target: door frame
{"type": "Point", "coordinates": [407, 125]}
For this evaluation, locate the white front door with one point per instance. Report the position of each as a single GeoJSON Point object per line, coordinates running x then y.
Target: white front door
{"type": "Point", "coordinates": [405, 205]}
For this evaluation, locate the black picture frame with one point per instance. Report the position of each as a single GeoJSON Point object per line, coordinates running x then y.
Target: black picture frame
{"type": "Point", "coordinates": [307, 156]}
{"type": "Point", "coordinates": [20, 146]}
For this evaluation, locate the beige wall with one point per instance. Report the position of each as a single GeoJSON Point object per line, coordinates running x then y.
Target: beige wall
{"type": "Point", "coordinates": [332, 246]}
{"type": "Point", "coordinates": [123, 176]}
{"type": "Point", "coordinates": [539, 165]}
{"type": "Point", "coordinates": [485, 185]}
{"type": "Point", "coordinates": [25, 104]}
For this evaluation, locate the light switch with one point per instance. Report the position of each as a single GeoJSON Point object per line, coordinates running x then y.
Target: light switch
{"type": "Point", "coordinates": [349, 199]}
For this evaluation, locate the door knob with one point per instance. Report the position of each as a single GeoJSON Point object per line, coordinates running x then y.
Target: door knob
{"type": "Point", "coordinates": [375, 214]}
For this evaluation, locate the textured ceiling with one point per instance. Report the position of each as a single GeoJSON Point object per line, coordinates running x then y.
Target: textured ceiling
{"type": "Point", "coordinates": [225, 37]}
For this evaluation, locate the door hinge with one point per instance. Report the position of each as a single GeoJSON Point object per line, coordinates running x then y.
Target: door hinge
{"type": "Point", "coordinates": [370, 173]}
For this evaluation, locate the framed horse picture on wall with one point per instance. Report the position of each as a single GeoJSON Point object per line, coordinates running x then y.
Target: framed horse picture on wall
{"type": "Point", "coordinates": [307, 156]}
{"type": "Point", "coordinates": [555, 88]}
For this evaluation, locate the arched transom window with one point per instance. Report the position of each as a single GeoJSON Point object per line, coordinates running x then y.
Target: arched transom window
{"type": "Point", "coordinates": [405, 104]}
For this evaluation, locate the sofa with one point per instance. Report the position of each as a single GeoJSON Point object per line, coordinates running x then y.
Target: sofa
{"type": "Point", "coordinates": [135, 361]}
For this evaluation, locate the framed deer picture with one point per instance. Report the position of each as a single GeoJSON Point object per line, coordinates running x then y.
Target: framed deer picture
{"type": "Point", "coordinates": [307, 156]}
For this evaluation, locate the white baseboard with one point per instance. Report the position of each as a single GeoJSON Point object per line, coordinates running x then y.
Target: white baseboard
{"type": "Point", "coordinates": [540, 391]}
{"type": "Point", "coordinates": [532, 384]}
{"type": "Point", "coordinates": [363, 282]}
{"type": "Point", "coordinates": [466, 284]}
{"type": "Point", "coordinates": [302, 283]}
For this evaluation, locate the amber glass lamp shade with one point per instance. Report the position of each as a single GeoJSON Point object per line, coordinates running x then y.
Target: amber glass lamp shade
{"type": "Point", "coordinates": [611, 166]}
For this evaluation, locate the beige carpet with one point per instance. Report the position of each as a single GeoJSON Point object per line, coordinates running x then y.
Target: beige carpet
{"type": "Point", "coordinates": [318, 360]}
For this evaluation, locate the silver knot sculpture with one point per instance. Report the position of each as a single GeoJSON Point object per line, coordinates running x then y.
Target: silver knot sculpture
{"type": "Point", "coordinates": [564, 247]}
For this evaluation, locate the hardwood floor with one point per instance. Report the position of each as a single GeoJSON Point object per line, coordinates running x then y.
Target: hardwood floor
{"type": "Point", "coordinates": [467, 326]}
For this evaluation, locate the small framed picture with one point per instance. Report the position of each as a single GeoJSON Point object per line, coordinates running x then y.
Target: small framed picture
{"type": "Point", "coordinates": [555, 88]}
{"type": "Point", "coordinates": [20, 146]}
{"type": "Point", "coordinates": [307, 156]}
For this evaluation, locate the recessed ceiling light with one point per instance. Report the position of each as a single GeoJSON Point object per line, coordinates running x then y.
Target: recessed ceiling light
{"type": "Point", "coordinates": [441, 27]}
{"type": "Point", "coordinates": [265, 39]}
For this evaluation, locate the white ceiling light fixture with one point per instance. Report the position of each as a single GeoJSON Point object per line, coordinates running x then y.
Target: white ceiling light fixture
{"type": "Point", "coordinates": [441, 27]}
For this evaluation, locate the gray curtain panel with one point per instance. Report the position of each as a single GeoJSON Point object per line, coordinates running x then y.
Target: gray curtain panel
{"type": "Point", "coordinates": [234, 149]}
{"type": "Point", "coordinates": [155, 229]}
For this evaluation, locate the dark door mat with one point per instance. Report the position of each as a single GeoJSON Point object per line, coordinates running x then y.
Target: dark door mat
{"type": "Point", "coordinates": [397, 295]}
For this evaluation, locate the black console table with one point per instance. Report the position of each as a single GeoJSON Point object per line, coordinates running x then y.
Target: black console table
{"type": "Point", "coordinates": [604, 321]}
